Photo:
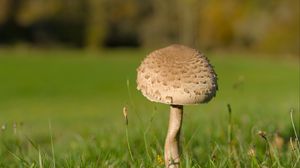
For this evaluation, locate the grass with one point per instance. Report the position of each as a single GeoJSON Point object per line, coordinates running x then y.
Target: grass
{"type": "Point", "coordinates": [64, 109]}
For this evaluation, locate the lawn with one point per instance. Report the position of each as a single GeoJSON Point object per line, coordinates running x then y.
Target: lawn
{"type": "Point", "coordinates": [63, 108]}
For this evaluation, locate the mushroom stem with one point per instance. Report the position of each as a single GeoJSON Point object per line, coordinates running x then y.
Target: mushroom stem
{"type": "Point", "coordinates": [172, 157]}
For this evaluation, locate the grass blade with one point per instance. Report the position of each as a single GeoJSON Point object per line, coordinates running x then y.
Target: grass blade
{"type": "Point", "coordinates": [52, 145]}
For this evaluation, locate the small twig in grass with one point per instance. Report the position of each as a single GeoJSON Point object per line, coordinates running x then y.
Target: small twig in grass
{"type": "Point", "coordinates": [232, 153]}
{"type": "Point", "coordinates": [229, 130]}
{"type": "Point", "coordinates": [52, 145]}
{"type": "Point", "coordinates": [296, 149]}
{"type": "Point", "coordinates": [125, 113]}
{"type": "Point", "coordinates": [263, 135]}
{"type": "Point", "coordinates": [294, 128]}
{"type": "Point", "coordinates": [229, 135]}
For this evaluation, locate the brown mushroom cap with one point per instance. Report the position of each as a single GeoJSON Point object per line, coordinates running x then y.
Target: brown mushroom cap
{"type": "Point", "coordinates": [177, 75]}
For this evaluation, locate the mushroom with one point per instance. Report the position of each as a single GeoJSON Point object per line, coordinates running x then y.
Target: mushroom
{"type": "Point", "coordinates": [176, 75]}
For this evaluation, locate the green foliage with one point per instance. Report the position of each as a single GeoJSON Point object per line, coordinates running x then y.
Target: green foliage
{"type": "Point", "coordinates": [64, 108]}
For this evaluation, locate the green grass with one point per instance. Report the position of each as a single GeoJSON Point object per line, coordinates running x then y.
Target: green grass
{"type": "Point", "coordinates": [64, 109]}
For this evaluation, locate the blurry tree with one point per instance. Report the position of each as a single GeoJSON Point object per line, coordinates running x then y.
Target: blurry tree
{"type": "Point", "coordinates": [188, 25]}
{"type": "Point", "coordinates": [4, 10]}
{"type": "Point", "coordinates": [162, 25]}
{"type": "Point", "coordinates": [216, 19]}
{"type": "Point", "coordinates": [9, 30]}
{"type": "Point", "coordinates": [96, 23]}
{"type": "Point", "coordinates": [31, 11]}
{"type": "Point", "coordinates": [267, 26]}
{"type": "Point", "coordinates": [282, 26]}
{"type": "Point", "coordinates": [68, 24]}
{"type": "Point", "coordinates": [123, 22]}
{"type": "Point", "coordinates": [52, 21]}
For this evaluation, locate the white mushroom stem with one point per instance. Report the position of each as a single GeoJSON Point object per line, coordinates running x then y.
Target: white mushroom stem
{"type": "Point", "coordinates": [172, 157]}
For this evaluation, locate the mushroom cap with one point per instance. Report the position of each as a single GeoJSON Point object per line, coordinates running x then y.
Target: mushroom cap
{"type": "Point", "coordinates": [177, 75]}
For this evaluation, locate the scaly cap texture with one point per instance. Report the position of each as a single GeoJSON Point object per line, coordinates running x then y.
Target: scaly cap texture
{"type": "Point", "coordinates": [177, 75]}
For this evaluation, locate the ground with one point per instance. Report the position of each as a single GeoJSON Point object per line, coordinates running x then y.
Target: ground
{"type": "Point", "coordinates": [63, 108]}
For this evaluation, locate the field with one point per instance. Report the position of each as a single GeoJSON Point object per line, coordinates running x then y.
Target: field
{"type": "Point", "coordinates": [64, 109]}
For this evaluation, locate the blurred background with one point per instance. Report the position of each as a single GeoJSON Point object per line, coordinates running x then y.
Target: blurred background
{"type": "Point", "coordinates": [68, 68]}
{"type": "Point", "coordinates": [270, 26]}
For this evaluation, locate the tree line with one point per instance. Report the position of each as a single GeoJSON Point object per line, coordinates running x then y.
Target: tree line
{"type": "Point", "coordinates": [268, 26]}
